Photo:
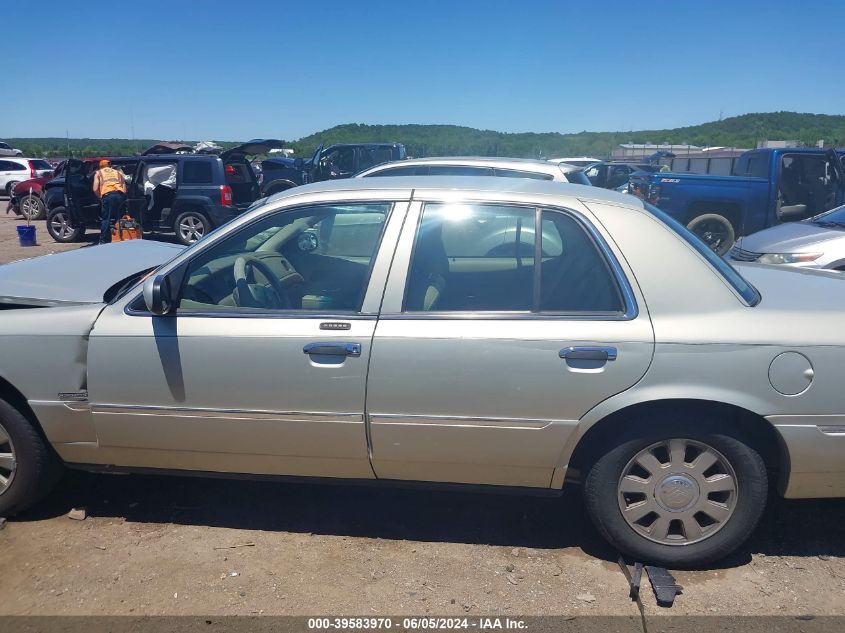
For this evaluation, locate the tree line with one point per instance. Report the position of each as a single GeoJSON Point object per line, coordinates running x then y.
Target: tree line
{"type": "Point", "coordinates": [445, 140]}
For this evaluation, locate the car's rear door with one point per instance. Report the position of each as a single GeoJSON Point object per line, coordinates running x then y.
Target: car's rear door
{"type": "Point", "coordinates": [482, 362]}
{"type": "Point", "coordinates": [247, 376]}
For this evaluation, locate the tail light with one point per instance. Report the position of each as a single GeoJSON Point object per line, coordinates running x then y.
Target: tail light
{"type": "Point", "coordinates": [230, 170]}
{"type": "Point", "coordinates": [32, 173]}
{"type": "Point", "coordinates": [226, 198]}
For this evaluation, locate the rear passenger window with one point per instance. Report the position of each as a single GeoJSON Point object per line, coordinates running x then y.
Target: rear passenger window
{"type": "Point", "coordinates": [196, 172]}
{"type": "Point", "coordinates": [483, 258]}
{"type": "Point", "coordinates": [513, 173]}
{"type": "Point", "coordinates": [574, 275]}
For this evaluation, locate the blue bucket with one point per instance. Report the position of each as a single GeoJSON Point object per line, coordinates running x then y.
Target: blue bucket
{"type": "Point", "coordinates": [26, 235]}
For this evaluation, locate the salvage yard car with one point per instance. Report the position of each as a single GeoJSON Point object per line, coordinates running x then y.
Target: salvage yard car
{"type": "Point", "coordinates": [479, 166]}
{"type": "Point", "coordinates": [509, 332]}
{"type": "Point", "coordinates": [768, 187]}
{"type": "Point", "coordinates": [188, 194]}
{"type": "Point", "coordinates": [817, 242]}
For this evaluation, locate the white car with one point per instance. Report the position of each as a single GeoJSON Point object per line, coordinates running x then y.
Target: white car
{"type": "Point", "coordinates": [8, 150]}
{"type": "Point", "coordinates": [479, 166]}
{"type": "Point", "coordinates": [580, 161]}
{"type": "Point", "coordinates": [14, 170]}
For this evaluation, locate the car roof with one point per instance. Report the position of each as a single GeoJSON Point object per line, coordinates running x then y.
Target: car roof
{"type": "Point", "coordinates": [527, 164]}
{"type": "Point", "coordinates": [490, 184]}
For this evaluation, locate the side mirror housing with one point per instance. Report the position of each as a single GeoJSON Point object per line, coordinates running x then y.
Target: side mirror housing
{"type": "Point", "coordinates": [158, 295]}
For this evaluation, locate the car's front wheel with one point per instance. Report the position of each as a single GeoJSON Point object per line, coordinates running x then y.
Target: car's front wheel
{"type": "Point", "coordinates": [32, 207]}
{"type": "Point", "coordinates": [28, 467]}
{"type": "Point", "coordinates": [191, 226]}
{"type": "Point", "coordinates": [681, 498]}
{"type": "Point", "coordinates": [61, 227]}
{"type": "Point", "coordinates": [715, 230]}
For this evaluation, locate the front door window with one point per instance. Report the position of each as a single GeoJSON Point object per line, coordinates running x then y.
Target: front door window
{"type": "Point", "coordinates": [315, 259]}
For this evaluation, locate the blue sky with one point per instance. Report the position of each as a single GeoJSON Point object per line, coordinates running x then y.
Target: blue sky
{"type": "Point", "coordinates": [236, 70]}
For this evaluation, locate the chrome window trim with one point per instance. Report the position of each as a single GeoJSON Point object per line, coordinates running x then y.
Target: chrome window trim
{"type": "Point", "coordinates": [630, 313]}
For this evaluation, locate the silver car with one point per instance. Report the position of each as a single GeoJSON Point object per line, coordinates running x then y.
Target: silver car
{"type": "Point", "coordinates": [480, 166]}
{"type": "Point", "coordinates": [508, 332]}
{"type": "Point", "coordinates": [817, 242]}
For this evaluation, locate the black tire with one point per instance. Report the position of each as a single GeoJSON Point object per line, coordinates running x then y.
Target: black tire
{"type": "Point", "coordinates": [602, 498]}
{"type": "Point", "coordinates": [61, 228]}
{"type": "Point", "coordinates": [190, 226]}
{"type": "Point", "coordinates": [714, 230]}
{"type": "Point", "coordinates": [32, 207]}
{"type": "Point", "coordinates": [36, 468]}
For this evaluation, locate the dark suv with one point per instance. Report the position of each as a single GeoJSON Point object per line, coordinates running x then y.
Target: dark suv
{"type": "Point", "coordinates": [335, 161]}
{"type": "Point", "coordinates": [185, 193]}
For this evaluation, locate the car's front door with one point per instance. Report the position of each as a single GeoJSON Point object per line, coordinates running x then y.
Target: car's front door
{"type": "Point", "coordinates": [493, 344]}
{"type": "Point", "coordinates": [262, 366]}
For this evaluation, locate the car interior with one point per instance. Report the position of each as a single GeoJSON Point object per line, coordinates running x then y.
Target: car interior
{"type": "Point", "coordinates": [482, 258]}
{"type": "Point", "coordinates": [318, 258]}
{"type": "Point", "coordinates": [808, 186]}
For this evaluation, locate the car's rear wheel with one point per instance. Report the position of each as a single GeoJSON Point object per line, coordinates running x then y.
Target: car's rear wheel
{"type": "Point", "coordinates": [682, 497]}
{"type": "Point", "coordinates": [191, 226]}
{"type": "Point", "coordinates": [714, 230]}
{"type": "Point", "coordinates": [28, 467]}
{"type": "Point", "coordinates": [32, 207]}
{"type": "Point", "coordinates": [61, 227]}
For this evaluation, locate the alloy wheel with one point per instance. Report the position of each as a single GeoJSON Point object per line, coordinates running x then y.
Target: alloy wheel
{"type": "Point", "coordinates": [677, 492]}
{"type": "Point", "coordinates": [191, 228]}
{"type": "Point", "coordinates": [30, 207]}
{"type": "Point", "coordinates": [60, 226]}
{"type": "Point", "coordinates": [8, 461]}
{"type": "Point", "coordinates": [713, 233]}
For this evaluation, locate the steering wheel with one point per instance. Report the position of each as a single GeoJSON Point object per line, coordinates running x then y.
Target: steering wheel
{"type": "Point", "coordinates": [245, 293]}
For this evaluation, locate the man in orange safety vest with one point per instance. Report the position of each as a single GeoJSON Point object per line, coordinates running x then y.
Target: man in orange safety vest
{"type": "Point", "coordinates": [110, 187]}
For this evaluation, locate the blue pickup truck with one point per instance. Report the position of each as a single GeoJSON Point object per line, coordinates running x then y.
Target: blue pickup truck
{"type": "Point", "coordinates": [768, 186]}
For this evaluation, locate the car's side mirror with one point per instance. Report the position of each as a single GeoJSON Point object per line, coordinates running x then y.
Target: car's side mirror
{"type": "Point", "coordinates": [792, 212]}
{"type": "Point", "coordinates": [158, 295]}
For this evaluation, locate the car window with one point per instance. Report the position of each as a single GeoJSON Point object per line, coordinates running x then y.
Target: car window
{"type": "Point", "coordinates": [459, 170]}
{"type": "Point", "coordinates": [313, 259]}
{"type": "Point", "coordinates": [748, 292]}
{"type": "Point", "coordinates": [40, 164]}
{"type": "Point", "coordinates": [196, 172]}
{"type": "Point", "coordinates": [4, 146]}
{"type": "Point", "coordinates": [472, 258]}
{"type": "Point", "coordinates": [578, 177]}
{"type": "Point", "coordinates": [4, 165]}
{"type": "Point", "coordinates": [574, 274]}
{"type": "Point", "coordinates": [515, 173]}
{"type": "Point", "coordinates": [481, 258]}
{"type": "Point", "coordinates": [13, 166]}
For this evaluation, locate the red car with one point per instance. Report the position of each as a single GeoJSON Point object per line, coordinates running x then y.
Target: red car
{"type": "Point", "coordinates": [30, 204]}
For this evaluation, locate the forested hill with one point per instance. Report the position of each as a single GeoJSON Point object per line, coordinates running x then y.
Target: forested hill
{"type": "Point", "coordinates": [445, 140]}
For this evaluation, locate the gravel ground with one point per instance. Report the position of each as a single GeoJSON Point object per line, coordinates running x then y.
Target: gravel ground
{"type": "Point", "coordinates": [164, 545]}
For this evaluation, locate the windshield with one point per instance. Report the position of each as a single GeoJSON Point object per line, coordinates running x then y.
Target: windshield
{"type": "Point", "coordinates": [578, 177]}
{"type": "Point", "coordinates": [834, 216]}
{"type": "Point", "coordinates": [748, 292]}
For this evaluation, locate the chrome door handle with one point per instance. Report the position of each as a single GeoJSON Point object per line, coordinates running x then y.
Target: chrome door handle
{"type": "Point", "coordinates": [588, 353]}
{"type": "Point", "coordinates": [333, 349]}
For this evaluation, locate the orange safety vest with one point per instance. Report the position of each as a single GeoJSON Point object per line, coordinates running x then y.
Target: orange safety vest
{"type": "Point", "coordinates": [111, 180]}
